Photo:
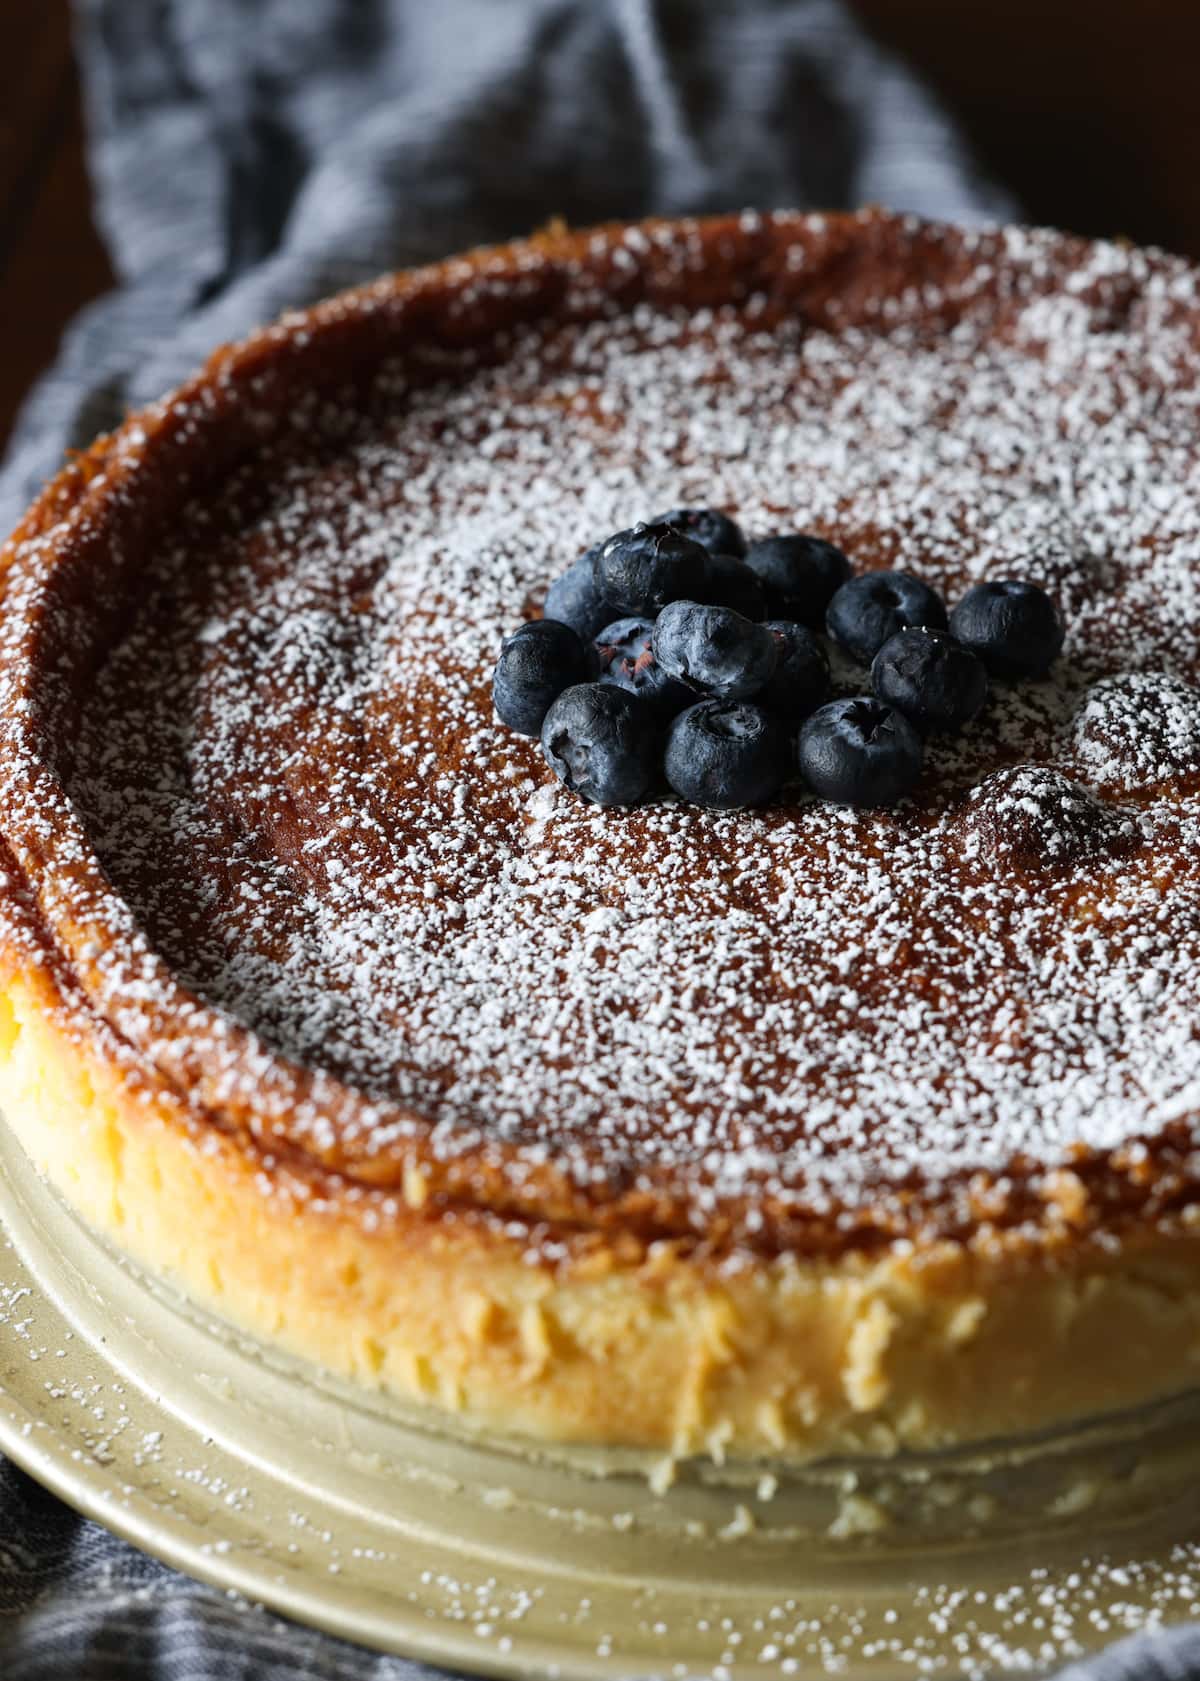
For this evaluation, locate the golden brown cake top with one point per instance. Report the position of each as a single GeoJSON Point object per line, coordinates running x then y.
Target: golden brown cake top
{"type": "Point", "coordinates": [271, 832]}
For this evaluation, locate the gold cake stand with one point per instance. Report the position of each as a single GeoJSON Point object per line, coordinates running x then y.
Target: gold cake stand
{"type": "Point", "coordinates": [346, 1512]}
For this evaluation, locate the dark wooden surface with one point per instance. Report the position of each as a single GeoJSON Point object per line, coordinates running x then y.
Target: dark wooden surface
{"type": "Point", "coordinates": [1088, 109]}
{"type": "Point", "coordinates": [51, 260]}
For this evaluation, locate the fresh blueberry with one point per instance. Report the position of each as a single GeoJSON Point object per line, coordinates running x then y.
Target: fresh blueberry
{"type": "Point", "coordinates": [930, 677]}
{"type": "Point", "coordinates": [800, 575]}
{"type": "Point", "coordinates": [640, 570]}
{"type": "Point", "coordinates": [714, 531]}
{"type": "Point", "coordinates": [868, 609]}
{"type": "Point", "coordinates": [724, 753]}
{"type": "Point", "coordinates": [1011, 625]}
{"type": "Point", "coordinates": [714, 648]}
{"type": "Point", "coordinates": [730, 583]}
{"type": "Point", "coordinates": [598, 739]}
{"type": "Point", "coordinates": [574, 600]}
{"type": "Point", "coordinates": [801, 674]}
{"type": "Point", "coordinates": [536, 664]}
{"type": "Point", "coordinates": [627, 659]}
{"type": "Point", "coordinates": [859, 752]}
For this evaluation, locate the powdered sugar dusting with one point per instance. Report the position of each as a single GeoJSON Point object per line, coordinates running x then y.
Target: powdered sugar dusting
{"type": "Point", "coordinates": [291, 772]}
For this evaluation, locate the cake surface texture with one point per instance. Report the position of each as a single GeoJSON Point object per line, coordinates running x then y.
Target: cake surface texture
{"type": "Point", "coordinates": [791, 1131]}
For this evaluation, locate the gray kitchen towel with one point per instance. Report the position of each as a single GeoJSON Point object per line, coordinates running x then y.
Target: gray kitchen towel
{"type": "Point", "coordinates": [249, 155]}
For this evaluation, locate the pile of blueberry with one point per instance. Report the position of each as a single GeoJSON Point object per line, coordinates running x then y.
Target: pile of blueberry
{"type": "Point", "coordinates": [677, 651]}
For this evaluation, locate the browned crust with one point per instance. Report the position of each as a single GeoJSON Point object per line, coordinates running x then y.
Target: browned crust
{"type": "Point", "coordinates": [646, 1348]}
{"type": "Point", "coordinates": [117, 494]}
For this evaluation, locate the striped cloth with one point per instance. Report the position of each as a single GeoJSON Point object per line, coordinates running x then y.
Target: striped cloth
{"type": "Point", "coordinates": [250, 155]}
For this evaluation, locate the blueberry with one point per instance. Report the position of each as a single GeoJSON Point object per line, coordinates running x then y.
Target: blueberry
{"type": "Point", "coordinates": [714, 648]}
{"type": "Point", "coordinates": [640, 570]}
{"type": "Point", "coordinates": [859, 752]}
{"type": "Point", "coordinates": [801, 674]}
{"type": "Point", "coordinates": [600, 741]}
{"type": "Point", "coordinates": [574, 600]}
{"type": "Point", "coordinates": [800, 575]}
{"type": "Point", "coordinates": [714, 531]}
{"type": "Point", "coordinates": [627, 659]}
{"type": "Point", "coordinates": [1011, 625]}
{"type": "Point", "coordinates": [724, 753]}
{"type": "Point", "coordinates": [730, 583]}
{"type": "Point", "coordinates": [870, 608]}
{"type": "Point", "coordinates": [930, 677]}
{"type": "Point", "coordinates": [537, 663]}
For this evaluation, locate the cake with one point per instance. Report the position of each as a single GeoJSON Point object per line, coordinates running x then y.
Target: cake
{"type": "Point", "coordinates": [768, 1135]}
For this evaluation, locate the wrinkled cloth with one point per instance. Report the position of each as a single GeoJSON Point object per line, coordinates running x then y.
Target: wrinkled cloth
{"type": "Point", "coordinates": [251, 155]}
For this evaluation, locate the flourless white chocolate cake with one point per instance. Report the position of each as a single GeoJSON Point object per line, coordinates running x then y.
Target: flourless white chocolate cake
{"type": "Point", "coordinates": [786, 1131]}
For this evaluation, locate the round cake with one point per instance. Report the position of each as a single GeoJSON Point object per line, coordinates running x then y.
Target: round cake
{"type": "Point", "coordinates": [772, 1133]}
